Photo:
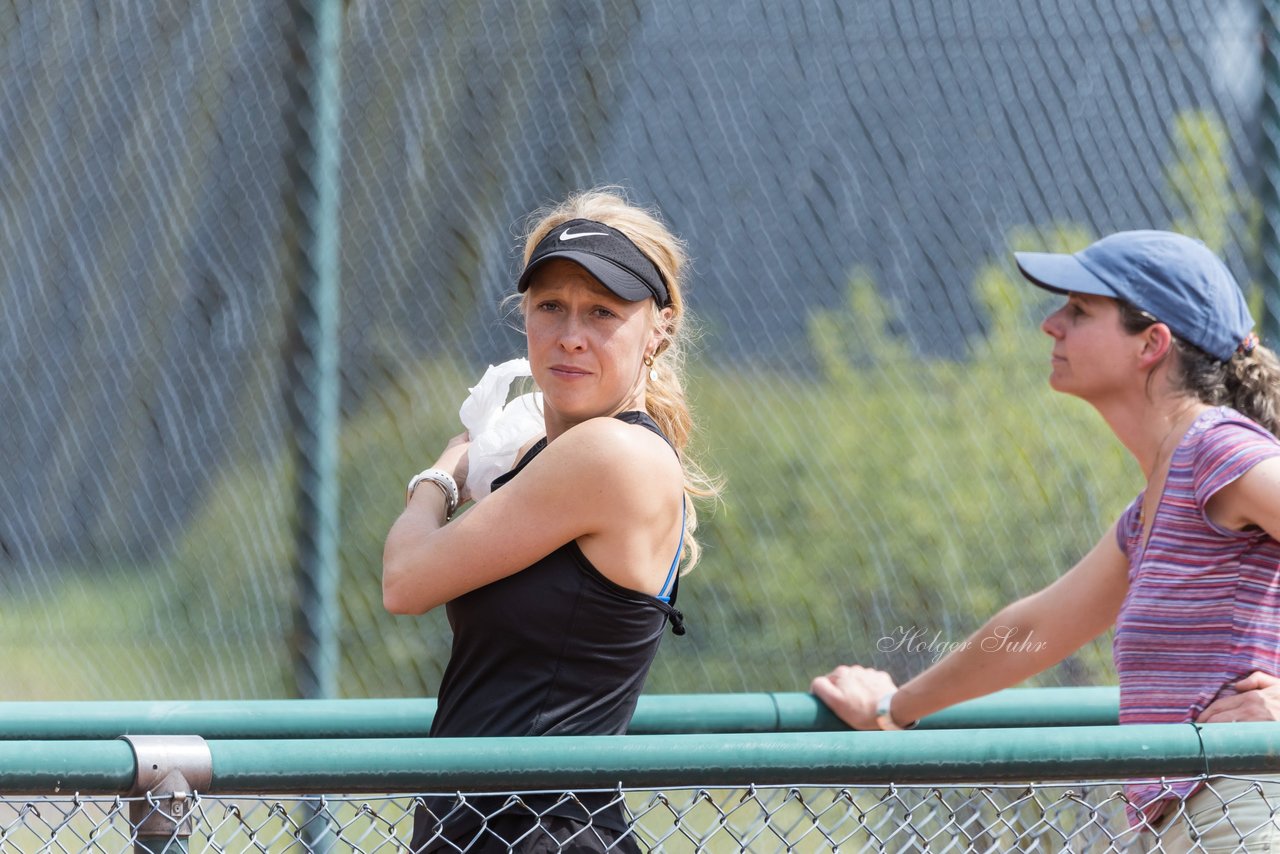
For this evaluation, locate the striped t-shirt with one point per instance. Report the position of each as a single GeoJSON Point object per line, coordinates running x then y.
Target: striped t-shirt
{"type": "Point", "coordinates": [1203, 607]}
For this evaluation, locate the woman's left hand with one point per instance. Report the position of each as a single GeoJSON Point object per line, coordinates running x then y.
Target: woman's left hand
{"type": "Point", "coordinates": [1258, 700]}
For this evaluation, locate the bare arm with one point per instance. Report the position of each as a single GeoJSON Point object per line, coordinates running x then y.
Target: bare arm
{"type": "Point", "coordinates": [1023, 639]}
{"type": "Point", "coordinates": [1252, 500]}
{"type": "Point", "coordinates": [580, 486]}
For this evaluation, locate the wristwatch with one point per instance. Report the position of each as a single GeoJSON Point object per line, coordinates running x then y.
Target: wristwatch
{"type": "Point", "coordinates": [442, 479]}
{"type": "Point", "coordinates": [884, 718]}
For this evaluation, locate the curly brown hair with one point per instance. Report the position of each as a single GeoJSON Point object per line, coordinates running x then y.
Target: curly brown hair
{"type": "Point", "coordinates": [1247, 382]}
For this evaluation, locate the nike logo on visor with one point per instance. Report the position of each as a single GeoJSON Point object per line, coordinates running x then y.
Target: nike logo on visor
{"type": "Point", "coordinates": [567, 235]}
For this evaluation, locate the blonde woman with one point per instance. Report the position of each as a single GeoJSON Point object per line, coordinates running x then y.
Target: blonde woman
{"type": "Point", "coordinates": [558, 585]}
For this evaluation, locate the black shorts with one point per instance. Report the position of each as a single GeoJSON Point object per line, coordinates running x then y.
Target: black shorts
{"type": "Point", "coordinates": [522, 834]}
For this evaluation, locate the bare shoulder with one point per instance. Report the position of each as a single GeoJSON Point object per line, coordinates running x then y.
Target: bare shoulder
{"type": "Point", "coordinates": [528, 446]}
{"type": "Point", "coordinates": [617, 451]}
{"type": "Point", "coordinates": [616, 434]}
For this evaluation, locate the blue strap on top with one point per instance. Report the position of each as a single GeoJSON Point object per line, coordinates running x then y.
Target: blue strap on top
{"type": "Point", "coordinates": [665, 594]}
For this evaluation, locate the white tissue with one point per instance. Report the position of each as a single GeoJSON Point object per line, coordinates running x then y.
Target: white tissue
{"type": "Point", "coordinates": [497, 428]}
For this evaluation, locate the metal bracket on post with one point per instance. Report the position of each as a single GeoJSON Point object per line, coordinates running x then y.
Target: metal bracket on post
{"type": "Point", "coordinates": [169, 769]}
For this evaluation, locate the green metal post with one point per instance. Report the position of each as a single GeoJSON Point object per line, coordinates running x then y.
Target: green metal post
{"type": "Point", "coordinates": [313, 353]}
{"type": "Point", "coordinates": [1269, 239]}
{"type": "Point", "coordinates": [314, 374]}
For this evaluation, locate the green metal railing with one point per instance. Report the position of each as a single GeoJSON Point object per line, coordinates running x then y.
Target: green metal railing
{"type": "Point", "coordinates": [378, 764]}
{"type": "Point", "coordinates": [411, 718]}
{"type": "Point", "coordinates": [267, 771]}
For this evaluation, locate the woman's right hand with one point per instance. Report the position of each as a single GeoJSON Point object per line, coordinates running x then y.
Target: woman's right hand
{"type": "Point", "coordinates": [852, 692]}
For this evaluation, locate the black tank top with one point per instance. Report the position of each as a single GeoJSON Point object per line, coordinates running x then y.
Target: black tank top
{"type": "Point", "coordinates": [554, 649]}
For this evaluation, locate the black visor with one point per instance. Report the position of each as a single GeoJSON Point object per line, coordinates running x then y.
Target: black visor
{"type": "Point", "coordinates": [605, 253]}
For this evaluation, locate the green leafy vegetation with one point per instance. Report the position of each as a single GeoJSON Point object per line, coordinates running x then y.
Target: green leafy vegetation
{"type": "Point", "coordinates": [878, 509]}
{"type": "Point", "coordinates": [894, 502]}
{"type": "Point", "coordinates": [884, 495]}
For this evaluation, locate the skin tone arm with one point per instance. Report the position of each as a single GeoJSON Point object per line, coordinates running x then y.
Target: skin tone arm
{"type": "Point", "coordinates": [1253, 500]}
{"type": "Point", "coordinates": [577, 489]}
{"type": "Point", "coordinates": [1023, 639]}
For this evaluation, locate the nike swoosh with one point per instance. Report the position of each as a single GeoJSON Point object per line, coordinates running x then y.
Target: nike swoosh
{"type": "Point", "coordinates": [565, 235]}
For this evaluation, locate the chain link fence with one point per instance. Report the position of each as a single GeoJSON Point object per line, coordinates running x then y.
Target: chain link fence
{"type": "Point", "coordinates": [851, 179]}
{"type": "Point", "coordinates": [1076, 817]}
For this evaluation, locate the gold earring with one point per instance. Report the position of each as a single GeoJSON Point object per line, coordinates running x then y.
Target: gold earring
{"type": "Point", "coordinates": [653, 372]}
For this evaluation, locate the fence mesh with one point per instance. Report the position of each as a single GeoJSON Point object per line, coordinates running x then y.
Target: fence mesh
{"type": "Point", "coordinates": [850, 178]}
{"type": "Point", "coordinates": [1077, 817]}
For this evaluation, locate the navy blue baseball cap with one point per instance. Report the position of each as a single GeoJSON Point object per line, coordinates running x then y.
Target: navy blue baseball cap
{"type": "Point", "coordinates": [605, 253]}
{"type": "Point", "coordinates": [1177, 280]}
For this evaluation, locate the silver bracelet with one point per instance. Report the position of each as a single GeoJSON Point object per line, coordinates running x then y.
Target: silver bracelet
{"type": "Point", "coordinates": [442, 479]}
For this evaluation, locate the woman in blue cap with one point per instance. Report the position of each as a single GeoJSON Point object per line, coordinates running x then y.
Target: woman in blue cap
{"type": "Point", "coordinates": [559, 584]}
{"type": "Point", "coordinates": [1156, 335]}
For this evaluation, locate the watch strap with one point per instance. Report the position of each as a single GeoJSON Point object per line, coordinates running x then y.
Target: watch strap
{"type": "Point", "coordinates": [884, 717]}
{"type": "Point", "coordinates": [444, 481]}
